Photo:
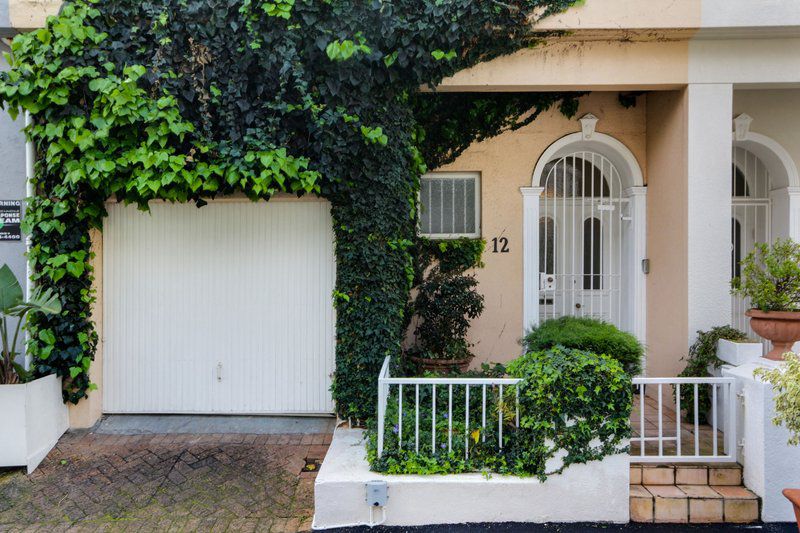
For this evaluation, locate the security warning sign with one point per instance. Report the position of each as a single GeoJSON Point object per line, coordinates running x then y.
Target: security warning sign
{"type": "Point", "coordinates": [10, 213]}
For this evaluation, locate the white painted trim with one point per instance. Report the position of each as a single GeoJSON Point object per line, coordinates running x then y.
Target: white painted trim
{"type": "Point", "coordinates": [633, 187]}
{"type": "Point", "coordinates": [778, 161]}
{"type": "Point", "coordinates": [448, 175]}
{"type": "Point", "coordinates": [530, 261]}
{"type": "Point", "coordinates": [637, 289]}
{"type": "Point", "coordinates": [619, 154]}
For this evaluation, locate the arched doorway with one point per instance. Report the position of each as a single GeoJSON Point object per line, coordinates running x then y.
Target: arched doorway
{"type": "Point", "coordinates": [751, 220]}
{"type": "Point", "coordinates": [582, 215]}
{"type": "Point", "coordinates": [585, 234]}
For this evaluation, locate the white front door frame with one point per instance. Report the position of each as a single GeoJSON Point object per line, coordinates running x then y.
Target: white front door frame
{"type": "Point", "coordinates": [629, 169]}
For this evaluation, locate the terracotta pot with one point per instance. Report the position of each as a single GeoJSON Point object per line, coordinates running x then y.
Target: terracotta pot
{"type": "Point", "coordinates": [780, 327]}
{"type": "Point", "coordinates": [793, 495]}
{"type": "Point", "coordinates": [442, 365]}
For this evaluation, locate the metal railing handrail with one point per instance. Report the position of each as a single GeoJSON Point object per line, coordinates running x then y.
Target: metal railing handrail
{"type": "Point", "coordinates": [666, 431]}
{"type": "Point", "coordinates": [729, 446]}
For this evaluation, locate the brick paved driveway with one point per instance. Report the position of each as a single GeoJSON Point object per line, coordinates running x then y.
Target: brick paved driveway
{"type": "Point", "coordinates": [159, 483]}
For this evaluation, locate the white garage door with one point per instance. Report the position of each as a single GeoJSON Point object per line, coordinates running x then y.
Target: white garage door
{"type": "Point", "coordinates": [223, 309]}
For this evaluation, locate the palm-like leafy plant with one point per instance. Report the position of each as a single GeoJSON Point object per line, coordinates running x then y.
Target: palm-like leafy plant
{"type": "Point", "coordinates": [14, 306]}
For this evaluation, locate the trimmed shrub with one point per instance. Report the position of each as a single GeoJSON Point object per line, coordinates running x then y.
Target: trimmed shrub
{"type": "Point", "coordinates": [590, 335]}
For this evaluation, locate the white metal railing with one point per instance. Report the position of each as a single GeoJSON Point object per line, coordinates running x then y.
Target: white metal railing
{"type": "Point", "coordinates": [385, 382]}
{"type": "Point", "coordinates": [676, 441]}
{"type": "Point", "coordinates": [661, 435]}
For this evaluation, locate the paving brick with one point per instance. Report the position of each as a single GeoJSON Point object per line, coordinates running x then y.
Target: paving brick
{"type": "Point", "coordinates": [691, 475]}
{"type": "Point", "coordinates": [670, 505]}
{"type": "Point", "coordinates": [741, 511]}
{"type": "Point", "coordinates": [658, 475]}
{"type": "Point", "coordinates": [700, 491]}
{"type": "Point", "coordinates": [641, 504]}
{"type": "Point", "coordinates": [731, 476]}
{"type": "Point", "coordinates": [165, 483]}
{"type": "Point", "coordinates": [636, 475]}
{"type": "Point", "coordinates": [735, 493]}
{"type": "Point", "coordinates": [703, 511]}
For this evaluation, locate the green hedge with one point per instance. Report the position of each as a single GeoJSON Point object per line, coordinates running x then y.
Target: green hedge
{"type": "Point", "coordinates": [590, 335]}
{"type": "Point", "coordinates": [570, 400]}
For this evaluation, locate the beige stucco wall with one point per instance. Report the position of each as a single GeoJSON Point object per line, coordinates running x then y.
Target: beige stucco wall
{"type": "Point", "coordinates": [776, 114]}
{"type": "Point", "coordinates": [667, 231]}
{"type": "Point", "coordinates": [506, 163]}
{"type": "Point", "coordinates": [581, 65]}
{"type": "Point", "coordinates": [29, 14]}
{"type": "Point", "coordinates": [633, 14]}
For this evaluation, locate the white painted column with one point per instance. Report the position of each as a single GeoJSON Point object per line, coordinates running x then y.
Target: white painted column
{"type": "Point", "coordinates": [710, 109]}
{"type": "Point", "coordinates": [785, 223]}
{"type": "Point", "coordinates": [793, 194]}
{"type": "Point", "coordinates": [637, 282]}
{"type": "Point", "coordinates": [530, 254]}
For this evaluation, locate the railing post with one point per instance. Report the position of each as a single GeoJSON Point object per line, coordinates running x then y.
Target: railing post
{"type": "Point", "coordinates": [730, 425]}
{"type": "Point", "coordinates": [382, 398]}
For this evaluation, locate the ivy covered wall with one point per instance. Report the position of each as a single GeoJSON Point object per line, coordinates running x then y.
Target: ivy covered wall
{"type": "Point", "coordinates": [189, 100]}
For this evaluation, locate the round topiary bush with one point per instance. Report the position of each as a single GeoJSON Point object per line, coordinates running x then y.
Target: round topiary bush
{"type": "Point", "coordinates": [590, 335]}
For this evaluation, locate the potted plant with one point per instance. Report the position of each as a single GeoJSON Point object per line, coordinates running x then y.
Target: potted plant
{"type": "Point", "coordinates": [785, 381]}
{"type": "Point", "coordinates": [771, 281]}
{"type": "Point", "coordinates": [445, 305]}
{"type": "Point", "coordinates": [32, 412]}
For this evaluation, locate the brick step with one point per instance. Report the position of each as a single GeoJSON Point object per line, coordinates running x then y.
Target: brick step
{"type": "Point", "coordinates": [693, 504]}
{"type": "Point", "coordinates": [719, 474]}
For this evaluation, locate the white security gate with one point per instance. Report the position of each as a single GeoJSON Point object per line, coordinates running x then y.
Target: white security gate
{"type": "Point", "coordinates": [581, 239]}
{"type": "Point", "coordinates": [750, 222]}
{"type": "Point", "coordinates": [222, 309]}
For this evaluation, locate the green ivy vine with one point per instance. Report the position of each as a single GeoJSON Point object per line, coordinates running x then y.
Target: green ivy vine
{"type": "Point", "coordinates": [188, 100]}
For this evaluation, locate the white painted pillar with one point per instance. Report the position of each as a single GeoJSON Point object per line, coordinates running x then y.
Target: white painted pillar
{"type": "Point", "coordinates": [530, 271]}
{"type": "Point", "coordinates": [785, 223]}
{"type": "Point", "coordinates": [793, 194]}
{"type": "Point", "coordinates": [637, 288]}
{"type": "Point", "coordinates": [710, 109]}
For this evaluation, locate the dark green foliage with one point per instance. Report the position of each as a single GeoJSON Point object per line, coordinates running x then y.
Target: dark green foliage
{"type": "Point", "coordinates": [445, 305]}
{"type": "Point", "coordinates": [457, 255]}
{"type": "Point", "coordinates": [570, 400]}
{"type": "Point", "coordinates": [188, 100]}
{"type": "Point", "coordinates": [702, 355]}
{"type": "Point", "coordinates": [445, 299]}
{"type": "Point", "coordinates": [454, 121]}
{"type": "Point", "coordinates": [587, 334]}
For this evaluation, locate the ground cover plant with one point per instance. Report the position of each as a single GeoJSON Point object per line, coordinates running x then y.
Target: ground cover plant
{"type": "Point", "coordinates": [187, 100]}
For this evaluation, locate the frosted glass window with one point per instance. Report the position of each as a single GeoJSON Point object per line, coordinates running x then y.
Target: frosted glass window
{"type": "Point", "coordinates": [449, 205]}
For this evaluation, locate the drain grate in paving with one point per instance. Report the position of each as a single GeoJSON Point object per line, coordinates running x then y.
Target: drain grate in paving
{"type": "Point", "coordinates": [312, 465]}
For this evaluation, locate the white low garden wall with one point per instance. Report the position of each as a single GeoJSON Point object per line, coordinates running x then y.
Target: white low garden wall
{"type": "Point", "coordinates": [593, 492]}
{"type": "Point", "coordinates": [770, 464]}
{"type": "Point", "coordinates": [32, 419]}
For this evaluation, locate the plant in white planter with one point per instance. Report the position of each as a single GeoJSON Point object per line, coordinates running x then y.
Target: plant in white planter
{"type": "Point", "coordinates": [771, 280]}
{"type": "Point", "coordinates": [785, 382]}
{"type": "Point", "coordinates": [13, 306]}
{"type": "Point", "coordinates": [32, 411]}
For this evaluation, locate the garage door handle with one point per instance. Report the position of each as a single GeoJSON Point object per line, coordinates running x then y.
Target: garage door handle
{"type": "Point", "coordinates": [219, 371]}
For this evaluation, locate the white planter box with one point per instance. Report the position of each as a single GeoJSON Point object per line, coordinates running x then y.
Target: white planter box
{"type": "Point", "coordinates": [32, 419]}
{"type": "Point", "coordinates": [770, 464]}
{"type": "Point", "coordinates": [594, 492]}
{"type": "Point", "coordinates": [739, 353]}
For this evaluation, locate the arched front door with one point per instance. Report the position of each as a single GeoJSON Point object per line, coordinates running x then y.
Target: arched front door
{"type": "Point", "coordinates": [582, 239]}
{"type": "Point", "coordinates": [751, 220]}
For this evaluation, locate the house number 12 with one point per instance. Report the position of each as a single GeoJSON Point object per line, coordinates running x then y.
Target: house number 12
{"type": "Point", "coordinates": [500, 245]}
